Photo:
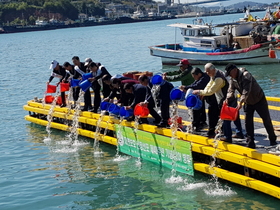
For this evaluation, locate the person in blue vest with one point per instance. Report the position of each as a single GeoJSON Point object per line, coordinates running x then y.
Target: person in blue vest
{"type": "Point", "coordinates": [201, 80]}
{"type": "Point", "coordinates": [142, 95]}
{"type": "Point", "coordinates": [59, 72]}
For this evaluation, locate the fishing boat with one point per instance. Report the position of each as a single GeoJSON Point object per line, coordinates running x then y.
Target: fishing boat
{"type": "Point", "coordinates": [239, 42]}
{"type": "Point", "coordinates": [185, 152]}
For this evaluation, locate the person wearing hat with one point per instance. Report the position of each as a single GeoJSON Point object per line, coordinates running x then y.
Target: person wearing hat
{"type": "Point", "coordinates": [252, 99]}
{"type": "Point", "coordinates": [183, 74]}
{"type": "Point", "coordinates": [217, 86]}
{"type": "Point", "coordinates": [59, 72]}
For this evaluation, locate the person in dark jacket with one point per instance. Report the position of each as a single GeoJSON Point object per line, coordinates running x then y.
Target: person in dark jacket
{"type": "Point", "coordinates": [163, 97]}
{"type": "Point", "coordinates": [59, 72]}
{"type": "Point", "coordinates": [81, 69]}
{"type": "Point", "coordinates": [97, 73]}
{"type": "Point", "coordinates": [253, 98]}
{"type": "Point", "coordinates": [201, 80]}
{"type": "Point", "coordinates": [73, 75]}
{"type": "Point", "coordinates": [183, 74]}
{"type": "Point", "coordinates": [143, 96]}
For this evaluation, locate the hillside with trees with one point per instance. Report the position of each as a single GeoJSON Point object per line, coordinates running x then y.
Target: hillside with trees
{"type": "Point", "coordinates": [26, 12]}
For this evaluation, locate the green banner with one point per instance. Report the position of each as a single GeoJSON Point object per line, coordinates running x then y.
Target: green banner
{"type": "Point", "coordinates": [171, 153]}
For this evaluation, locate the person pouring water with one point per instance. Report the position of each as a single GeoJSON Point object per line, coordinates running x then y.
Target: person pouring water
{"type": "Point", "coordinates": [201, 80]}
{"type": "Point", "coordinates": [59, 72]}
{"type": "Point", "coordinates": [183, 74]}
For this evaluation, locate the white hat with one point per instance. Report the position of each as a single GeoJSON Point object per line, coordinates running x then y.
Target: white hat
{"type": "Point", "coordinates": [87, 61]}
{"type": "Point", "coordinates": [53, 64]}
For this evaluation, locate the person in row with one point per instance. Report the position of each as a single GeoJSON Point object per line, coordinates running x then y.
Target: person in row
{"type": "Point", "coordinates": [59, 72]}
{"type": "Point", "coordinates": [252, 99]}
{"type": "Point", "coordinates": [98, 71]}
{"type": "Point", "coordinates": [81, 69]}
{"type": "Point", "coordinates": [142, 94]}
{"type": "Point", "coordinates": [163, 98]}
{"type": "Point", "coordinates": [201, 80]}
{"type": "Point", "coordinates": [217, 86]}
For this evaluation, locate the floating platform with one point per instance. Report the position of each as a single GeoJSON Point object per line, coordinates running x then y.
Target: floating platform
{"type": "Point", "coordinates": [258, 169]}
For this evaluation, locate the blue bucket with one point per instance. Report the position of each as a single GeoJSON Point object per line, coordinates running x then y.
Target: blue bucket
{"type": "Point", "coordinates": [177, 94]}
{"type": "Point", "coordinates": [114, 109]}
{"type": "Point", "coordinates": [85, 85]}
{"type": "Point", "coordinates": [75, 82]}
{"type": "Point", "coordinates": [126, 113]}
{"type": "Point", "coordinates": [156, 79]}
{"type": "Point", "coordinates": [104, 105]}
{"type": "Point", "coordinates": [86, 76]}
{"type": "Point", "coordinates": [193, 102]}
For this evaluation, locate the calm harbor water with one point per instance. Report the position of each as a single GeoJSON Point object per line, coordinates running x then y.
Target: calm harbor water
{"type": "Point", "coordinates": [38, 174]}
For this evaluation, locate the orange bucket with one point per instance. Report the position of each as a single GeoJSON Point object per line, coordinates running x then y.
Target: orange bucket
{"type": "Point", "coordinates": [51, 89]}
{"type": "Point", "coordinates": [64, 87]}
{"type": "Point", "coordinates": [228, 113]}
{"type": "Point", "coordinates": [49, 99]}
{"type": "Point", "coordinates": [141, 111]}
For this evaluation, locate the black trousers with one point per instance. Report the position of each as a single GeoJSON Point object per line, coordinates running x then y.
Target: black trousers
{"type": "Point", "coordinates": [213, 113]}
{"type": "Point", "coordinates": [164, 108]}
{"type": "Point", "coordinates": [76, 92]}
{"type": "Point", "coordinates": [87, 99]}
{"type": "Point", "coordinates": [199, 116]}
{"type": "Point", "coordinates": [106, 90]}
{"type": "Point", "coordinates": [262, 109]}
{"type": "Point", "coordinates": [97, 97]}
{"type": "Point", "coordinates": [154, 114]}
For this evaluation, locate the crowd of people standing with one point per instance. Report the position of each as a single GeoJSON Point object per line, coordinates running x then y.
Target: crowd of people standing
{"type": "Point", "coordinates": [213, 86]}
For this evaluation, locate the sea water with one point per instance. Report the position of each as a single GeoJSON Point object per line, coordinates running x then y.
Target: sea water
{"type": "Point", "coordinates": [39, 175]}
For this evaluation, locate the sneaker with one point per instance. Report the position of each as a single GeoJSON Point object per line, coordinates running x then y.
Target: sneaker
{"type": "Point", "coordinates": [63, 105]}
{"type": "Point", "coordinates": [210, 135]}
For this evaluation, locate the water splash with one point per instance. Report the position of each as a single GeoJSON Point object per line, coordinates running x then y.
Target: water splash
{"type": "Point", "coordinates": [190, 128]}
{"type": "Point", "coordinates": [174, 129]}
{"type": "Point", "coordinates": [193, 186]}
{"type": "Point", "coordinates": [97, 132]}
{"type": "Point", "coordinates": [218, 132]}
{"type": "Point", "coordinates": [120, 136]}
{"type": "Point", "coordinates": [155, 92]}
{"type": "Point", "coordinates": [174, 179]}
{"type": "Point", "coordinates": [215, 189]}
{"type": "Point", "coordinates": [120, 158]}
{"type": "Point", "coordinates": [50, 114]}
{"type": "Point", "coordinates": [73, 136]}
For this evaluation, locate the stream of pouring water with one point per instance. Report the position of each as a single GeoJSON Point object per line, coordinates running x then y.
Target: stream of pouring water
{"type": "Point", "coordinates": [50, 116]}
{"type": "Point", "coordinates": [73, 136]}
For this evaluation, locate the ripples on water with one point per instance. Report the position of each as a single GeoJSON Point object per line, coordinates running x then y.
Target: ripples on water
{"type": "Point", "coordinates": [40, 173]}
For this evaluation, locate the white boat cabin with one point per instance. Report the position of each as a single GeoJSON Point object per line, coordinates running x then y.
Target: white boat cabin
{"type": "Point", "coordinates": [201, 38]}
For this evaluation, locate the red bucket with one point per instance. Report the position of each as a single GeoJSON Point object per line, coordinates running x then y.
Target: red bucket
{"type": "Point", "coordinates": [49, 99]}
{"type": "Point", "coordinates": [228, 113]}
{"type": "Point", "coordinates": [141, 111]}
{"type": "Point", "coordinates": [51, 89]}
{"type": "Point", "coordinates": [64, 87]}
{"type": "Point", "coordinates": [59, 101]}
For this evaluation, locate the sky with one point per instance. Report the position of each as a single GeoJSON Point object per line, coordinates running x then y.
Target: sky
{"type": "Point", "coordinates": [224, 3]}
